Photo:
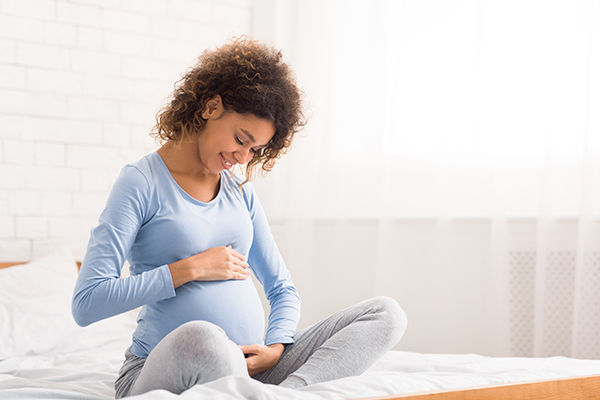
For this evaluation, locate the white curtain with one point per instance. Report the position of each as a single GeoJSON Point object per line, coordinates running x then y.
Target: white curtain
{"type": "Point", "coordinates": [451, 161]}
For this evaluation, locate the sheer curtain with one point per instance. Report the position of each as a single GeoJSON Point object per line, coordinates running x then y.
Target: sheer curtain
{"type": "Point", "coordinates": [451, 161]}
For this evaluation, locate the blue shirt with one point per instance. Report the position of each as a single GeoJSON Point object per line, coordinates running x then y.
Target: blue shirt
{"type": "Point", "coordinates": [151, 221]}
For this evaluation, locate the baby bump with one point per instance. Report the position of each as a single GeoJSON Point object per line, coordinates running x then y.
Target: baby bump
{"type": "Point", "coordinates": [233, 305]}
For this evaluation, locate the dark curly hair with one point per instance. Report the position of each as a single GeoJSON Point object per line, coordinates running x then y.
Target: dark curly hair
{"type": "Point", "coordinates": [251, 78]}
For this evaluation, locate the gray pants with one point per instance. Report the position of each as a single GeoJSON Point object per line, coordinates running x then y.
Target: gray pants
{"type": "Point", "coordinates": [345, 344]}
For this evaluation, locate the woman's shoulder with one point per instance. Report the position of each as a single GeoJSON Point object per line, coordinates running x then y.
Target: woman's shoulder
{"type": "Point", "coordinates": [136, 188]}
{"type": "Point", "coordinates": [146, 165]}
{"type": "Point", "coordinates": [138, 178]}
{"type": "Point", "coordinates": [236, 183]}
{"type": "Point", "coordinates": [146, 168]}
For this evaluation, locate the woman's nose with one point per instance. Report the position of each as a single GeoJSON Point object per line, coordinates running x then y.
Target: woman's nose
{"type": "Point", "coordinates": [243, 156]}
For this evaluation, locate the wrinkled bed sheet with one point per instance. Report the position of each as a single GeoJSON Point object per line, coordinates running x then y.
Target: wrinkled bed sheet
{"type": "Point", "coordinates": [89, 374]}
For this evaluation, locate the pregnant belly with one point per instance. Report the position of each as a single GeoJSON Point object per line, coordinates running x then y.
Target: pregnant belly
{"type": "Point", "coordinates": [233, 305]}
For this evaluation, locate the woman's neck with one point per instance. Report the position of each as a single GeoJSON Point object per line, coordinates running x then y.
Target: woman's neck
{"type": "Point", "coordinates": [183, 159]}
{"type": "Point", "coordinates": [189, 172]}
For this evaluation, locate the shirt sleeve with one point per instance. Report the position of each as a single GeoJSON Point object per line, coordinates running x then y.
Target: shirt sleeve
{"type": "Point", "coordinates": [100, 292]}
{"type": "Point", "coordinates": [269, 268]}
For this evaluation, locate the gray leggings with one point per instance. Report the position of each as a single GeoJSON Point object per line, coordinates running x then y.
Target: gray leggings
{"type": "Point", "coordinates": [345, 344]}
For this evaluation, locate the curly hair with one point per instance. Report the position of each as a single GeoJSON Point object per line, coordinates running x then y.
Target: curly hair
{"type": "Point", "coordinates": [251, 78]}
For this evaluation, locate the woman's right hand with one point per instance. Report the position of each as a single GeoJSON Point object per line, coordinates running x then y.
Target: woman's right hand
{"type": "Point", "coordinates": [214, 264]}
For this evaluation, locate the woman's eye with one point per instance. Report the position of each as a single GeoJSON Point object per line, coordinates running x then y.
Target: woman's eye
{"type": "Point", "coordinates": [237, 139]}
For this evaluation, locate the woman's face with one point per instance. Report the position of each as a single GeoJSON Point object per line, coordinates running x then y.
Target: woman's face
{"type": "Point", "coordinates": [230, 138]}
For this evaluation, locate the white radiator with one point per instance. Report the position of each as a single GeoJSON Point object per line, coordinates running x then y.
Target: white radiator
{"type": "Point", "coordinates": [564, 328]}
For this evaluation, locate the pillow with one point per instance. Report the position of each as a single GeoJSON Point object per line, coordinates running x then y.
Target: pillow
{"type": "Point", "coordinates": [35, 305]}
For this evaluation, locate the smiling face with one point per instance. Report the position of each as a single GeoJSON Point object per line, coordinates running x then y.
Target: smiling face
{"type": "Point", "coordinates": [230, 138]}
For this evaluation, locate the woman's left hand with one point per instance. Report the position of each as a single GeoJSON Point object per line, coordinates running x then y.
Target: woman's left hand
{"type": "Point", "coordinates": [260, 358]}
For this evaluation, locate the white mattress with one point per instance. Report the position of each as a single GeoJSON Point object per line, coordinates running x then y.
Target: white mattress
{"type": "Point", "coordinates": [43, 354]}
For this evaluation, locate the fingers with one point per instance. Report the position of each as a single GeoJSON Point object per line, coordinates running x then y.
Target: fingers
{"type": "Point", "coordinates": [240, 263]}
{"type": "Point", "coordinates": [250, 349]}
{"type": "Point", "coordinates": [243, 273]}
{"type": "Point", "coordinates": [259, 357]}
{"type": "Point", "coordinates": [235, 253]}
{"type": "Point", "coordinates": [229, 264]}
{"type": "Point", "coordinates": [239, 260]}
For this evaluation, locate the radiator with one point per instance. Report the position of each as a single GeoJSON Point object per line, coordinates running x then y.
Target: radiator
{"type": "Point", "coordinates": [559, 333]}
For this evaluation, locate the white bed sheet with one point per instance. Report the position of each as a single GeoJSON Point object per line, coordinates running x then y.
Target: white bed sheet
{"type": "Point", "coordinates": [89, 374]}
{"type": "Point", "coordinates": [43, 354]}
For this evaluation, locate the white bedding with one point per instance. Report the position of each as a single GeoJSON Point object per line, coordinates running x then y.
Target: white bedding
{"type": "Point", "coordinates": [44, 355]}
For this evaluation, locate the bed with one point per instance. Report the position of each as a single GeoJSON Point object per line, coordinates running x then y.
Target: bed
{"type": "Point", "coordinates": [44, 354]}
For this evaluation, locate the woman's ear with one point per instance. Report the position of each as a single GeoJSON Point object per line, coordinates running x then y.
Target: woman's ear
{"type": "Point", "coordinates": [213, 109]}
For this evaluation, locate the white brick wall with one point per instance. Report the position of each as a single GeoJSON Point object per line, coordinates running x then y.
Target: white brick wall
{"type": "Point", "coordinates": [80, 84]}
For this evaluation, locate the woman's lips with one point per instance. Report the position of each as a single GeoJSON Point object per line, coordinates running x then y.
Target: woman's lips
{"type": "Point", "coordinates": [226, 163]}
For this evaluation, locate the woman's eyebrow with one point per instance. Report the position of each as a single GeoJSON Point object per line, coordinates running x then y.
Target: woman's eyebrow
{"type": "Point", "coordinates": [245, 132]}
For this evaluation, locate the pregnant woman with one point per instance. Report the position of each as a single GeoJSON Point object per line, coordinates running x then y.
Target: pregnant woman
{"type": "Point", "coordinates": [193, 232]}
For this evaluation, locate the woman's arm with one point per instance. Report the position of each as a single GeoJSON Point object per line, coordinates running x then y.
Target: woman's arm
{"type": "Point", "coordinates": [100, 292]}
{"type": "Point", "coordinates": [269, 268]}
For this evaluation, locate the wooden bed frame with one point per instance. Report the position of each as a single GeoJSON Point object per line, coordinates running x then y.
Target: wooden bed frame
{"type": "Point", "coordinates": [575, 388]}
{"type": "Point", "coordinates": [10, 264]}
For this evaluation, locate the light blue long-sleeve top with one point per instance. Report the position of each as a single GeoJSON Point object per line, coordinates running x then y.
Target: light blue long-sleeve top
{"type": "Point", "coordinates": [151, 221]}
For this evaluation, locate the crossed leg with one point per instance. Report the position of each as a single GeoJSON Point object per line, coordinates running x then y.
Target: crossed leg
{"type": "Point", "coordinates": [345, 344]}
{"type": "Point", "coordinates": [195, 353]}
